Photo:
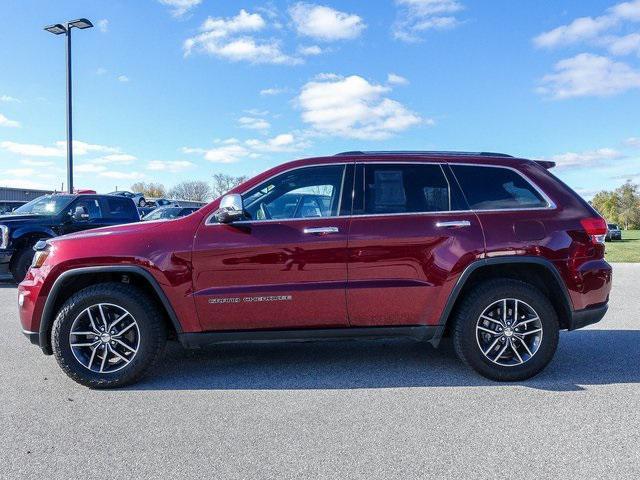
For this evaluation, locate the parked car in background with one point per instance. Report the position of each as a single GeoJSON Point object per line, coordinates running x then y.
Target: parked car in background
{"type": "Point", "coordinates": [53, 215]}
{"type": "Point", "coordinates": [138, 198]}
{"type": "Point", "coordinates": [613, 232]}
{"type": "Point", "coordinates": [144, 211]}
{"type": "Point", "coordinates": [8, 206]}
{"type": "Point", "coordinates": [165, 213]}
{"type": "Point", "coordinates": [163, 202]}
{"type": "Point", "coordinates": [490, 249]}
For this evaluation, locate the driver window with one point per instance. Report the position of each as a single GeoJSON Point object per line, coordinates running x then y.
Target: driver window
{"type": "Point", "coordinates": [90, 208]}
{"type": "Point", "coordinates": [312, 192]}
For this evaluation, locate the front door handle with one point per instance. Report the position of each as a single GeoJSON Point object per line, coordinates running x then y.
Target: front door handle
{"type": "Point", "coordinates": [321, 230]}
{"type": "Point", "coordinates": [454, 224]}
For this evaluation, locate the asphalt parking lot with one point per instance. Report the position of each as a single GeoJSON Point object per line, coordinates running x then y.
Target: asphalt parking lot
{"type": "Point", "coordinates": [382, 409]}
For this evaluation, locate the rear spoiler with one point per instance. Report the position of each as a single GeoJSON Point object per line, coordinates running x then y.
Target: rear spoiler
{"type": "Point", "coordinates": [545, 164]}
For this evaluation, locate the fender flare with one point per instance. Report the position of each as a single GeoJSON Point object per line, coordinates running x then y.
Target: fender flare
{"type": "Point", "coordinates": [48, 314]}
{"type": "Point", "coordinates": [485, 262]}
{"type": "Point", "coordinates": [20, 232]}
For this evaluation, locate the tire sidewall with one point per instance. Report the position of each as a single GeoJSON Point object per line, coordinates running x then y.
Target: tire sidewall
{"type": "Point", "coordinates": [484, 298]}
{"type": "Point", "coordinates": [147, 326]}
{"type": "Point", "coordinates": [22, 264]}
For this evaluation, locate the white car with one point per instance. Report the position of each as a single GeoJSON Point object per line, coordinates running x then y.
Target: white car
{"type": "Point", "coordinates": [138, 198]}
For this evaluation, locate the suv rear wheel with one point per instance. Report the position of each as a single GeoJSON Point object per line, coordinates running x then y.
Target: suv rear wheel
{"type": "Point", "coordinates": [108, 335]}
{"type": "Point", "coordinates": [506, 330]}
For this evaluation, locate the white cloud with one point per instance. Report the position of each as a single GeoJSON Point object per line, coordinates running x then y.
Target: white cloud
{"type": "Point", "coordinates": [230, 39]}
{"type": "Point", "coordinates": [171, 166]}
{"type": "Point", "coordinates": [588, 158]}
{"type": "Point", "coordinates": [20, 172]}
{"type": "Point", "coordinates": [180, 7]}
{"type": "Point", "coordinates": [8, 99]}
{"type": "Point", "coordinates": [89, 168]}
{"type": "Point", "coordinates": [325, 23]}
{"type": "Point", "coordinates": [231, 150]}
{"type": "Point", "coordinates": [119, 158]}
{"type": "Point", "coordinates": [5, 122]}
{"type": "Point", "coordinates": [123, 78]}
{"type": "Point", "coordinates": [417, 16]}
{"type": "Point", "coordinates": [24, 183]}
{"type": "Point", "coordinates": [122, 175]}
{"type": "Point", "coordinates": [352, 107]}
{"type": "Point", "coordinates": [58, 150]}
{"type": "Point", "coordinates": [254, 123]}
{"type": "Point", "coordinates": [589, 75]}
{"type": "Point", "coordinates": [272, 91]}
{"type": "Point", "coordinates": [310, 50]}
{"type": "Point", "coordinates": [590, 28]}
{"type": "Point", "coordinates": [103, 25]}
{"type": "Point", "coordinates": [393, 79]}
{"type": "Point", "coordinates": [36, 163]}
{"type": "Point", "coordinates": [633, 142]}
{"type": "Point", "coordinates": [624, 45]}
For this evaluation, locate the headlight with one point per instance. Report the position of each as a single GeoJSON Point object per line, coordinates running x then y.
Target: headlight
{"type": "Point", "coordinates": [4, 236]}
{"type": "Point", "coordinates": [42, 252]}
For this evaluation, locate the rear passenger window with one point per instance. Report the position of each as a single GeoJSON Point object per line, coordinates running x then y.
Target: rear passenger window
{"type": "Point", "coordinates": [121, 207]}
{"type": "Point", "coordinates": [495, 188]}
{"type": "Point", "coordinates": [405, 188]}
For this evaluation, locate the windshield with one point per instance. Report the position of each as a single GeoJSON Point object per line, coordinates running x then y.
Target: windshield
{"type": "Point", "coordinates": [45, 205]}
{"type": "Point", "coordinates": [163, 213]}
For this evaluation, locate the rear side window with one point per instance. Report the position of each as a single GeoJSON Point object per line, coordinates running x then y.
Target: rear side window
{"type": "Point", "coordinates": [404, 188]}
{"type": "Point", "coordinates": [495, 188]}
{"type": "Point", "coordinates": [120, 207]}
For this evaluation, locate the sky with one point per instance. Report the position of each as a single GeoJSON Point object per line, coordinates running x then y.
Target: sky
{"type": "Point", "coordinates": [173, 90]}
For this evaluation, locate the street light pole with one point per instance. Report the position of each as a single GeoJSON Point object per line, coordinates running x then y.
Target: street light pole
{"type": "Point", "coordinates": [69, 116]}
{"type": "Point", "coordinates": [58, 29]}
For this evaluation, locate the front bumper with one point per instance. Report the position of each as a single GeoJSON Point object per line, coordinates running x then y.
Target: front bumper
{"type": "Point", "coordinates": [34, 337]}
{"type": "Point", "coordinates": [587, 316]}
{"type": "Point", "coordinates": [5, 261]}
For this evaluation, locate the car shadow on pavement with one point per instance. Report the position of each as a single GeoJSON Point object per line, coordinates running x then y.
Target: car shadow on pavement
{"type": "Point", "coordinates": [584, 358]}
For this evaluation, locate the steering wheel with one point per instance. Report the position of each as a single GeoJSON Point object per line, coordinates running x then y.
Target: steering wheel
{"type": "Point", "coordinates": [266, 214]}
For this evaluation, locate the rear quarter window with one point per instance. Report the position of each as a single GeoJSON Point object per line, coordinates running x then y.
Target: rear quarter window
{"type": "Point", "coordinates": [120, 208]}
{"type": "Point", "coordinates": [496, 188]}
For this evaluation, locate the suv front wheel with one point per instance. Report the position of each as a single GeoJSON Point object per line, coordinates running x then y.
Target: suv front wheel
{"type": "Point", "coordinates": [108, 335]}
{"type": "Point", "coordinates": [506, 330]}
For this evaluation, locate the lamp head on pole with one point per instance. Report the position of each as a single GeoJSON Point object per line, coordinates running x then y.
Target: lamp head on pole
{"type": "Point", "coordinates": [80, 23]}
{"type": "Point", "coordinates": [56, 29]}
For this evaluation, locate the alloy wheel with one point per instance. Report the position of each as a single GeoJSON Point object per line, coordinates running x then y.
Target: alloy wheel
{"type": "Point", "coordinates": [104, 338]}
{"type": "Point", "coordinates": [509, 332]}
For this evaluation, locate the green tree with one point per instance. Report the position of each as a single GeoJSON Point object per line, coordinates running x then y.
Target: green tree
{"type": "Point", "coordinates": [222, 183]}
{"type": "Point", "coordinates": [629, 204]}
{"type": "Point", "coordinates": [151, 190]}
{"type": "Point", "coordinates": [607, 204]}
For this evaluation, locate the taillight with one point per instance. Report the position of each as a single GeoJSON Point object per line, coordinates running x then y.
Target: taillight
{"type": "Point", "coordinates": [596, 228]}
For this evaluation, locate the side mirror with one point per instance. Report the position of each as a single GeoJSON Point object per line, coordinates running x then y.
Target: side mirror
{"type": "Point", "coordinates": [231, 209]}
{"type": "Point", "coordinates": [80, 214]}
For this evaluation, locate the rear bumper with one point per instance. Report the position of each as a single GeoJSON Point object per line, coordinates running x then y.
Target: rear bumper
{"type": "Point", "coordinates": [587, 316]}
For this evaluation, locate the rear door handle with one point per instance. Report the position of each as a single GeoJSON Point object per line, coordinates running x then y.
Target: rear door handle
{"type": "Point", "coordinates": [321, 230]}
{"type": "Point", "coordinates": [454, 224]}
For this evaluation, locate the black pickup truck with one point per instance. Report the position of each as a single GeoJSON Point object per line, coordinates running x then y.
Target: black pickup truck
{"type": "Point", "coordinates": [53, 215]}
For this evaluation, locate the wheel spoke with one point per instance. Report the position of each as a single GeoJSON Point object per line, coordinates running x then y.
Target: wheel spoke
{"type": "Point", "coordinates": [93, 356]}
{"type": "Point", "coordinates": [515, 313]}
{"type": "Point", "coordinates": [504, 311]}
{"type": "Point", "coordinates": [117, 320]}
{"type": "Point", "coordinates": [506, 345]}
{"type": "Point", "coordinates": [132, 350]}
{"type": "Point", "coordinates": [104, 359]}
{"type": "Point", "coordinates": [492, 320]}
{"type": "Point", "coordinates": [121, 332]}
{"type": "Point", "coordinates": [515, 350]}
{"type": "Point", "coordinates": [525, 322]}
{"type": "Point", "coordinates": [115, 352]}
{"type": "Point", "coordinates": [104, 319]}
{"type": "Point", "coordinates": [85, 344]}
{"type": "Point", "coordinates": [488, 330]}
{"type": "Point", "coordinates": [526, 347]}
{"type": "Point", "coordinates": [492, 345]}
{"type": "Point", "coordinates": [83, 333]}
{"type": "Point", "coordinates": [93, 324]}
{"type": "Point", "coordinates": [530, 332]}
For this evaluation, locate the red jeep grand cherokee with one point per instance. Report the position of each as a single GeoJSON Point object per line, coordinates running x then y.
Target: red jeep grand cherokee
{"type": "Point", "coordinates": [490, 249]}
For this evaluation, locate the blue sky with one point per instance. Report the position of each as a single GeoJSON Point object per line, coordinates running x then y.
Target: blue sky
{"type": "Point", "coordinates": [171, 90]}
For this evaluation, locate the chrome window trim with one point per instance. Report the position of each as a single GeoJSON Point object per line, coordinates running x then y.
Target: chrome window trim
{"type": "Point", "coordinates": [550, 203]}
{"type": "Point", "coordinates": [242, 222]}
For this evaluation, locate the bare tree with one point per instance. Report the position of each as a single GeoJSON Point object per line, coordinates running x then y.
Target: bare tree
{"type": "Point", "coordinates": [195, 190]}
{"type": "Point", "coordinates": [222, 183]}
{"type": "Point", "coordinates": [153, 190]}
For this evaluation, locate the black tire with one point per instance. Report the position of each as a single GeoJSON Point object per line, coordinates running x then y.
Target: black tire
{"type": "Point", "coordinates": [465, 339]}
{"type": "Point", "coordinates": [150, 322]}
{"type": "Point", "coordinates": [21, 263]}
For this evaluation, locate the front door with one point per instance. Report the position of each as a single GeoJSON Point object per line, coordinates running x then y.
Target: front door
{"type": "Point", "coordinates": [83, 214]}
{"type": "Point", "coordinates": [284, 266]}
{"type": "Point", "coordinates": [411, 235]}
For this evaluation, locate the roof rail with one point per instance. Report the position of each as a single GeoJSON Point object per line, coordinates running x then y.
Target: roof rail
{"type": "Point", "coordinates": [422, 152]}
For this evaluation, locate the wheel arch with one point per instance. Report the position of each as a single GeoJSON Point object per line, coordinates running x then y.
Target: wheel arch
{"type": "Point", "coordinates": [533, 270]}
{"type": "Point", "coordinates": [76, 279]}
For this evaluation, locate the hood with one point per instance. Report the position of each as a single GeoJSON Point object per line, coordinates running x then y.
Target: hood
{"type": "Point", "coordinates": [9, 219]}
{"type": "Point", "coordinates": [137, 228]}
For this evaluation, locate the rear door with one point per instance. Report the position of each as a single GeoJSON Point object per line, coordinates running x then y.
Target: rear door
{"type": "Point", "coordinates": [285, 266]}
{"type": "Point", "coordinates": [411, 236]}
